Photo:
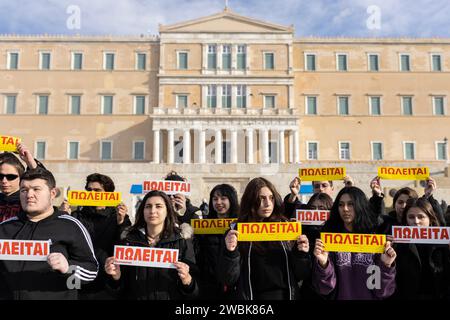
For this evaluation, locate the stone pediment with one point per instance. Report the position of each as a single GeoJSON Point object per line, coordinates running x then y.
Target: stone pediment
{"type": "Point", "coordinates": [225, 22]}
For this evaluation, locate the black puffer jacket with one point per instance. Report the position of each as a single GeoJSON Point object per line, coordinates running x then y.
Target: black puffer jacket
{"type": "Point", "coordinates": [9, 205]}
{"type": "Point", "coordinates": [144, 283]}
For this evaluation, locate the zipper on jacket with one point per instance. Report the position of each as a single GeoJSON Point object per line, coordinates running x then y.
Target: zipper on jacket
{"type": "Point", "coordinates": [249, 273]}
{"type": "Point", "coordinates": [287, 267]}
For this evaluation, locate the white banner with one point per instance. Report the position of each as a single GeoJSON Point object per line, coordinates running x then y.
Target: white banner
{"type": "Point", "coordinates": [24, 250]}
{"type": "Point", "coordinates": [146, 257]}
{"type": "Point", "coordinates": [435, 235]}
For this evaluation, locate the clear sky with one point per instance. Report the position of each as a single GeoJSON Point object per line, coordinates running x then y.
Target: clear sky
{"type": "Point", "coordinates": [348, 18]}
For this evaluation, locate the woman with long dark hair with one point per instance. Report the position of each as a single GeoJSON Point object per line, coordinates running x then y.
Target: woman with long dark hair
{"type": "Point", "coordinates": [155, 226]}
{"type": "Point", "coordinates": [263, 270]}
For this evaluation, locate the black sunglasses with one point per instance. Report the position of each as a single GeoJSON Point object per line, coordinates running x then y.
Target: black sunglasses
{"type": "Point", "coordinates": [9, 177]}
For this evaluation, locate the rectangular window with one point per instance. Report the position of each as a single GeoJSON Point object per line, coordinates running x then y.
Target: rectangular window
{"type": "Point", "coordinates": [75, 105]}
{"type": "Point", "coordinates": [40, 150]}
{"type": "Point", "coordinates": [226, 57]}
{"type": "Point", "coordinates": [106, 150]}
{"type": "Point", "coordinates": [73, 150]}
{"type": "Point", "coordinates": [441, 151]}
{"type": "Point", "coordinates": [226, 152]}
{"type": "Point", "coordinates": [11, 104]}
{"type": "Point", "coordinates": [436, 62]}
{"type": "Point", "coordinates": [182, 60]}
{"type": "Point", "coordinates": [344, 150]}
{"type": "Point", "coordinates": [373, 62]}
{"type": "Point", "coordinates": [310, 62]}
{"type": "Point", "coordinates": [241, 96]}
{"type": "Point", "coordinates": [109, 61]}
{"type": "Point", "coordinates": [182, 101]}
{"type": "Point", "coordinates": [269, 61]}
{"type": "Point", "coordinates": [13, 60]}
{"type": "Point", "coordinates": [273, 152]}
{"type": "Point", "coordinates": [45, 61]}
{"type": "Point", "coordinates": [107, 105]}
{"type": "Point", "coordinates": [226, 96]}
{"type": "Point", "coordinates": [212, 96]}
{"type": "Point", "coordinates": [405, 62]}
{"type": "Point", "coordinates": [342, 62]}
{"type": "Point", "coordinates": [438, 105]}
{"type": "Point", "coordinates": [269, 102]}
{"type": "Point", "coordinates": [375, 106]}
{"type": "Point", "coordinates": [139, 105]}
{"type": "Point", "coordinates": [311, 105]}
{"type": "Point", "coordinates": [212, 57]}
{"type": "Point", "coordinates": [241, 57]}
{"type": "Point", "coordinates": [77, 61]}
{"type": "Point", "coordinates": [312, 151]}
{"type": "Point", "coordinates": [141, 61]}
{"type": "Point", "coordinates": [407, 108]}
{"type": "Point", "coordinates": [43, 105]}
{"type": "Point", "coordinates": [138, 150]}
{"type": "Point", "coordinates": [409, 149]}
{"type": "Point", "coordinates": [377, 151]}
{"type": "Point", "coordinates": [343, 106]}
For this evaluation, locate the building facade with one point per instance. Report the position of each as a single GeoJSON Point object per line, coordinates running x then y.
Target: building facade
{"type": "Point", "coordinates": [225, 98]}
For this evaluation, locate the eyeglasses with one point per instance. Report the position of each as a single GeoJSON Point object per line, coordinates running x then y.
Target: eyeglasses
{"type": "Point", "coordinates": [9, 177]}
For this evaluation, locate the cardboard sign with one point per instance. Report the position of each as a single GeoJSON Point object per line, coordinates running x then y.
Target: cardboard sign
{"type": "Point", "coordinates": [8, 143]}
{"type": "Point", "coordinates": [353, 242]}
{"type": "Point", "coordinates": [146, 257]}
{"type": "Point", "coordinates": [24, 250]}
{"type": "Point", "coordinates": [211, 226]}
{"type": "Point", "coordinates": [436, 235]}
{"type": "Point", "coordinates": [169, 187]}
{"type": "Point", "coordinates": [269, 231]}
{"type": "Point", "coordinates": [396, 173]}
{"type": "Point", "coordinates": [321, 174]}
{"type": "Point", "coordinates": [94, 199]}
{"type": "Point", "coordinates": [312, 217]}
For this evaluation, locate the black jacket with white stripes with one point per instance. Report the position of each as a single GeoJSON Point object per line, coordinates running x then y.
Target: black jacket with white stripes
{"type": "Point", "coordinates": [35, 279]}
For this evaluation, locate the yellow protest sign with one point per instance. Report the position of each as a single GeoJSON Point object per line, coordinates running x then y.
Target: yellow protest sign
{"type": "Point", "coordinates": [396, 173]}
{"type": "Point", "coordinates": [321, 174]}
{"type": "Point", "coordinates": [269, 231]}
{"type": "Point", "coordinates": [8, 143]}
{"type": "Point", "coordinates": [94, 199]}
{"type": "Point", "coordinates": [353, 242]}
{"type": "Point", "coordinates": [211, 226]}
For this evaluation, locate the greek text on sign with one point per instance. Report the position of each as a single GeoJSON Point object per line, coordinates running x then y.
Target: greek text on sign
{"type": "Point", "coordinates": [396, 173]}
{"type": "Point", "coordinates": [312, 217]}
{"type": "Point", "coordinates": [436, 235]}
{"type": "Point", "coordinates": [211, 226]}
{"type": "Point", "coordinates": [146, 257]}
{"type": "Point", "coordinates": [24, 250]}
{"type": "Point", "coordinates": [320, 174]}
{"type": "Point", "coordinates": [169, 187]}
{"type": "Point", "coordinates": [269, 231]}
{"type": "Point", "coordinates": [353, 242]}
{"type": "Point", "coordinates": [8, 143]}
{"type": "Point", "coordinates": [94, 199]}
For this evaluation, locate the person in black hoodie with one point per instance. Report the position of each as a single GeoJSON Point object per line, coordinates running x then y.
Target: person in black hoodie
{"type": "Point", "coordinates": [423, 270]}
{"type": "Point", "coordinates": [105, 225]}
{"type": "Point", "coordinates": [223, 204]}
{"type": "Point", "coordinates": [71, 247]}
{"type": "Point", "coordinates": [155, 227]}
{"type": "Point", "coordinates": [10, 171]}
{"type": "Point", "coordinates": [263, 270]}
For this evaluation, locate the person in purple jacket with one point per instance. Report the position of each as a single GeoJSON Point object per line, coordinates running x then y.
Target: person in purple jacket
{"type": "Point", "coordinates": [353, 276]}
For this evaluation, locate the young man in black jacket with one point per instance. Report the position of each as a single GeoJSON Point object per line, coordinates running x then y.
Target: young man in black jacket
{"type": "Point", "coordinates": [71, 260]}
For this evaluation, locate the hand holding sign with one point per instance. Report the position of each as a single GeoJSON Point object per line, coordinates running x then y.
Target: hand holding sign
{"type": "Point", "coordinates": [303, 243]}
{"type": "Point", "coordinates": [231, 240]}
{"type": "Point", "coordinates": [179, 203]}
{"type": "Point", "coordinates": [389, 255]}
{"type": "Point", "coordinates": [375, 185]}
{"type": "Point", "coordinates": [320, 253]}
{"type": "Point", "coordinates": [58, 262]}
{"type": "Point", "coordinates": [430, 187]}
{"type": "Point", "coordinates": [112, 269]}
{"type": "Point", "coordinates": [122, 211]}
{"type": "Point", "coordinates": [26, 156]}
{"type": "Point", "coordinates": [183, 272]}
{"type": "Point", "coordinates": [295, 185]}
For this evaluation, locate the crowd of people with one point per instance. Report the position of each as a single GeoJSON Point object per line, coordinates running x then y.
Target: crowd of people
{"type": "Point", "coordinates": [217, 266]}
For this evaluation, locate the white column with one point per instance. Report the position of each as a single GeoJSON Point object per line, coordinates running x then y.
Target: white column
{"type": "Point", "coordinates": [219, 96]}
{"type": "Point", "coordinates": [290, 58]}
{"type": "Point", "coordinates": [265, 145]}
{"type": "Point", "coordinates": [218, 149]}
{"type": "Point", "coordinates": [291, 146]}
{"type": "Point", "coordinates": [233, 96]}
{"type": "Point", "coordinates": [291, 97]}
{"type": "Point", "coordinates": [296, 147]}
{"type": "Point", "coordinates": [234, 157]}
{"type": "Point", "coordinates": [201, 145]}
{"type": "Point", "coordinates": [234, 57]}
{"type": "Point", "coordinates": [219, 56]}
{"type": "Point", "coordinates": [186, 146]}
{"type": "Point", "coordinates": [205, 57]}
{"type": "Point", "coordinates": [170, 149]}
{"type": "Point", "coordinates": [156, 140]}
{"type": "Point", "coordinates": [204, 103]}
{"type": "Point", "coordinates": [249, 145]}
{"type": "Point", "coordinates": [281, 146]}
